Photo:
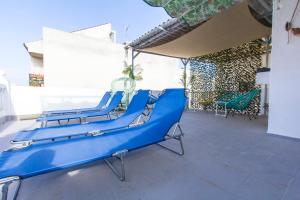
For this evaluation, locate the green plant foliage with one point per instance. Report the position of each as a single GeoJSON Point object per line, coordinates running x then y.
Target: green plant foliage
{"type": "Point", "coordinates": [133, 73]}
{"type": "Point", "coordinates": [206, 102]}
{"type": "Point", "coordinates": [183, 79]}
{"type": "Point", "coordinates": [230, 70]}
{"type": "Point", "coordinates": [125, 84]}
{"type": "Point", "coordinates": [193, 11]}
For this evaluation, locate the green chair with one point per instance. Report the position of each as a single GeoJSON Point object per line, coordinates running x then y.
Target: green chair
{"type": "Point", "coordinates": [242, 103]}
{"type": "Point", "coordinates": [224, 102]}
{"type": "Point", "coordinates": [239, 102]}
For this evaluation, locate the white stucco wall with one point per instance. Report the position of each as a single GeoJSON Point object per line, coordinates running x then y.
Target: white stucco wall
{"type": "Point", "coordinates": [34, 100]}
{"type": "Point", "coordinates": [35, 47]}
{"type": "Point", "coordinates": [36, 65]}
{"type": "Point", "coordinates": [284, 114]}
{"type": "Point", "coordinates": [79, 67]}
{"type": "Point", "coordinates": [79, 61]}
{"type": "Point", "coordinates": [98, 32]}
{"type": "Point", "coordinates": [88, 58]}
{"type": "Point", "coordinates": [6, 108]}
{"type": "Point", "coordinates": [159, 72]}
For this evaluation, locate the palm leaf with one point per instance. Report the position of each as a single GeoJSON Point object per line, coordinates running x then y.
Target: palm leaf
{"type": "Point", "coordinates": [135, 74]}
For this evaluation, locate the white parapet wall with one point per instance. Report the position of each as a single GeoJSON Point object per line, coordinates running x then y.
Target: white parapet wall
{"type": "Point", "coordinates": [29, 102]}
{"type": "Point", "coordinates": [284, 114]}
{"type": "Point", "coordinates": [6, 108]}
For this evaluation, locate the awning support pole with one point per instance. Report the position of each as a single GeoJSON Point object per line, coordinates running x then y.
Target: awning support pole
{"type": "Point", "coordinates": [185, 63]}
{"type": "Point", "coordinates": [133, 56]}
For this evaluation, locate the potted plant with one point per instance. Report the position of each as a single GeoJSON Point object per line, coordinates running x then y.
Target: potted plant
{"type": "Point", "coordinates": [205, 103]}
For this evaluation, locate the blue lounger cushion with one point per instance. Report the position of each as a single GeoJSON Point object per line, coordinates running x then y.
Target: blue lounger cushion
{"type": "Point", "coordinates": [100, 106]}
{"type": "Point", "coordinates": [46, 157]}
{"type": "Point", "coordinates": [135, 109]}
{"type": "Point", "coordinates": [113, 104]}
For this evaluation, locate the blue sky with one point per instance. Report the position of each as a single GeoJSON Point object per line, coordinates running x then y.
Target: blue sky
{"type": "Point", "coordinates": [22, 21]}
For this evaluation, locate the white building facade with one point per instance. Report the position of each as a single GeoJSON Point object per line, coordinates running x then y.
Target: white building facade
{"type": "Point", "coordinates": [6, 107]}
{"type": "Point", "coordinates": [91, 58]}
{"type": "Point", "coordinates": [74, 69]}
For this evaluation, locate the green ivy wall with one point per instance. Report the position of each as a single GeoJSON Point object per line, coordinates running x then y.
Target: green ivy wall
{"type": "Point", "coordinates": [229, 70]}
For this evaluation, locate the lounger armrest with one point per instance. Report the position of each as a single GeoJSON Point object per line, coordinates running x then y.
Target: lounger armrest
{"type": "Point", "coordinates": [95, 133]}
{"type": "Point", "coordinates": [102, 132]}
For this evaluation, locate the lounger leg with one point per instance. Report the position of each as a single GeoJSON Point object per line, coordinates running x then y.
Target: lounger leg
{"type": "Point", "coordinates": [181, 132]}
{"type": "Point", "coordinates": [251, 116]}
{"type": "Point", "coordinates": [219, 111]}
{"type": "Point", "coordinates": [59, 122]}
{"type": "Point", "coordinates": [119, 156]}
{"type": "Point", "coordinates": [83, 120]}
{"type": "Point", "coordinates": [177, 137]}
{"type": "Point", "coordinates": [5, 184]}
{"type": "Point", "coordinates": [44, 124]}
{"type": "Point", "coordinates": [5, 191]}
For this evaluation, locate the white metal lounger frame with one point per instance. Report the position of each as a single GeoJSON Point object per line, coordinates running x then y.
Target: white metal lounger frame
{"type": "Point", "coordinates": [120, 154]}
{"type": "Point", "coordinates": [5, 183]}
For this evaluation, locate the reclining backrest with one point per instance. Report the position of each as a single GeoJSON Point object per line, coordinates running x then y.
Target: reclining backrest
{"type": "Point", "coordinates": [167, 111]}
{"type": "Point", "coordinates": [115, 101]}
{"type": "Point", "coordinates": [104, 100]}
{"type": "Point", "coordinates": [228, 96]}
{"type": "Point", "coordinates": [169, 106]}
{"type": "Point", "coordinates": [135, 108]}
{"type": "Point", "coordinates": [138, 102]}
{"type": "Point", "coordinates": [242, 102]}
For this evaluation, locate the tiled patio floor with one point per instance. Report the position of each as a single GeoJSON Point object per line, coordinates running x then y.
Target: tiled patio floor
{"type": "Point", "coordinates": [226, 159]}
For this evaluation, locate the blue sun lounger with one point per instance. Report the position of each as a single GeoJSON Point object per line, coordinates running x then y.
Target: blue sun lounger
{"type": "Point", "coordinates": [107, 111]}
{"type": "Point", "coordinates": [133, 115]}
{"type": "Point", "coordinates": [100, 106]}
{"type": "Point", "coordinates": [37, 159]}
